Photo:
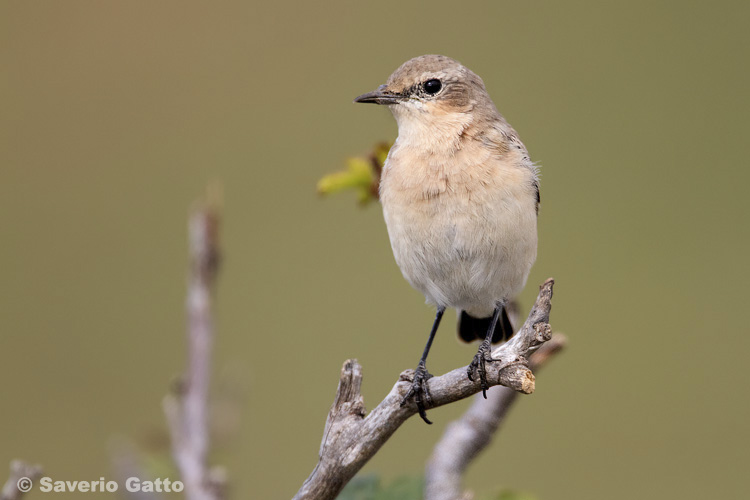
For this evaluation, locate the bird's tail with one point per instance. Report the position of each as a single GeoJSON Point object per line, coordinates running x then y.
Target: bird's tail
{"type": "Point", "coordinates": [471, 328]}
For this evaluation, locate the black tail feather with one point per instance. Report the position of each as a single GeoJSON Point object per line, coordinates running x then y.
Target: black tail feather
{"type": "Point", "coordinates": [471, 328]}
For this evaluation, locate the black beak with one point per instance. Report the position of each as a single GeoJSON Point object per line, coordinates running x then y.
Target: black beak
{"type": "Point", "coordinates": [380, 96]}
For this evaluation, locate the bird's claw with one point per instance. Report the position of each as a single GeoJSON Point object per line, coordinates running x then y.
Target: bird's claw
{"type": "Point", "coordinates": [420, 391]}
{"type": "Point", "coordinates": [478, 364]}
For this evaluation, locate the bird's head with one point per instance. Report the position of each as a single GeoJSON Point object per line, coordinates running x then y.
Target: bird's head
{"type": "Point", "coordinates": [432, 92]}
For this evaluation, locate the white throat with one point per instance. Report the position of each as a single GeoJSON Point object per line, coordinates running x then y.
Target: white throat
{"type": "Point", "coordinates": [429, 130]}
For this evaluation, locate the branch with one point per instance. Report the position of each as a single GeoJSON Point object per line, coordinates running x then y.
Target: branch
{"type": "Point", "coordinates": [351, 439]}
{"type": "Point", "coordinates": [465, 438]}
{"type": "Point", "coordinates": [21, 480]}
{"type": "Point", "coordinates": [187, 411]}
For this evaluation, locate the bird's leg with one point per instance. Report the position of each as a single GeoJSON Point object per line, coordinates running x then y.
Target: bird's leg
{"type": "Point", "coordinates": [419, 388]}
{"type": "Point", "coordinates": [484, 353]}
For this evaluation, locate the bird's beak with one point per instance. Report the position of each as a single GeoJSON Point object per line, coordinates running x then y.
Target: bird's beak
{"type": "Point", "coordinates": [380, 96]}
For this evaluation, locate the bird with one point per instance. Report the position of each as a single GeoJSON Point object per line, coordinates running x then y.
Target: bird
{"type": "Point", "coordinates": [460, 199]}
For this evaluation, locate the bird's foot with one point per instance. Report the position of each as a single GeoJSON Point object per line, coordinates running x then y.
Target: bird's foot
{"type": "Point", "coordinates": [477, 364]}
{"type": "Point", "coordinates": [420, 391]}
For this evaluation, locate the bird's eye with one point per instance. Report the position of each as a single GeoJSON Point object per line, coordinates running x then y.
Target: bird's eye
{"type": "Point", "coordinates": [433, 86]}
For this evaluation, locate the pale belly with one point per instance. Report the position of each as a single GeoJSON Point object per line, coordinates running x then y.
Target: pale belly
{"type": "Point", "coordinates": [470, 252]}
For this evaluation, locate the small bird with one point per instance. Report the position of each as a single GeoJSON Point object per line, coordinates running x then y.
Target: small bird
{"type": "Point", "coordinates": [460, 199]}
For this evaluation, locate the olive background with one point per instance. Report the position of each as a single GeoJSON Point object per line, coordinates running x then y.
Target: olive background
{"type": "Point", "coordinates": [116, 115]}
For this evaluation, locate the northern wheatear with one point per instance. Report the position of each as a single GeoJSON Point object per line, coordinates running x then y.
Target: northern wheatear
{"type": "Point", "coordinates": [460, 198]}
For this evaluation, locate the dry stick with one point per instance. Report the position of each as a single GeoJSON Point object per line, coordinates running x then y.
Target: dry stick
{"type": "Point", "coordinates": [350, 438]}
{"type": "Point", "coordinates": [187, 412]}
{"type": "Point", "coordinates": [21, 480]}
{"type": "Point", "coordinates": [465, 438]}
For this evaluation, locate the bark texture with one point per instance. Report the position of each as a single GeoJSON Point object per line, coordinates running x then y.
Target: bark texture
{"type": "Point", "coordinates": [351, 437]}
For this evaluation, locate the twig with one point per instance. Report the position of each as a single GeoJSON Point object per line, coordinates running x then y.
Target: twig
{"type": "Point", "coordinates": [187, 411]}
{"type": "Point", "coordinates": [465, 438]}
{"type": "Point", "coordinates": [351, 439]}
{"type": "Point", "coordinates": [21, 480]}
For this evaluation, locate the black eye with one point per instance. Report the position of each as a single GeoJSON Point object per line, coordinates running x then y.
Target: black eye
{"type": "Point", "coordinates": [432, 87]}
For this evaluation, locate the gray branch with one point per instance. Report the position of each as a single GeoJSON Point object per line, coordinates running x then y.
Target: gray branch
{"type": "Point", "coordinates": [22, 477]}
{"type": "Point", "coordinates": [465, 438]}
{"type": "Point", "coordinates": [187, 410]}
{"type": "Point", "coordinates": [350, 438]}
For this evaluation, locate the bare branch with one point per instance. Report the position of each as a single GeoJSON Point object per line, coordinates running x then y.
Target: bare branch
{"type": "Point", "coordinates": [351, 438]}
{"type": "Point", "coordinates": [187, 410]}
{"type": "Point", "coordinates": [465, 438]}
{"type": "Point", "coordinates": [21, 480]}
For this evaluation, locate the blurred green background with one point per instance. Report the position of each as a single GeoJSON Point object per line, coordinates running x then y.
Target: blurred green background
{"type": "Point", "coordinates": [115, 115]}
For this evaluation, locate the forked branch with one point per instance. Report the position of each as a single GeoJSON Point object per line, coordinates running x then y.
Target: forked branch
{"type": "Point", "coordinates": [351, 438]}
{"type": "Point", "coordinates": [466, 437]}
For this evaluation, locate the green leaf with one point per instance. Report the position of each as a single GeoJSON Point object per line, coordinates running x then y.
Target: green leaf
{"type": "Point", "coordinates": [370, 488]}
{"type": "Point", "coordinates": [381, 152]}
{"type": "Point", "coordinates": [403, 488]}
{"type": "Point", "coordinates": [362, 175]}
{"type": "Point", "coordinates": [361, 488]}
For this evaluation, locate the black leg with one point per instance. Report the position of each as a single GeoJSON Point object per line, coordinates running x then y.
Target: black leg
{"type": "Point", "coordinates": [484, 353]}
{"type": "Point", "coordinates": [419, 387]}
